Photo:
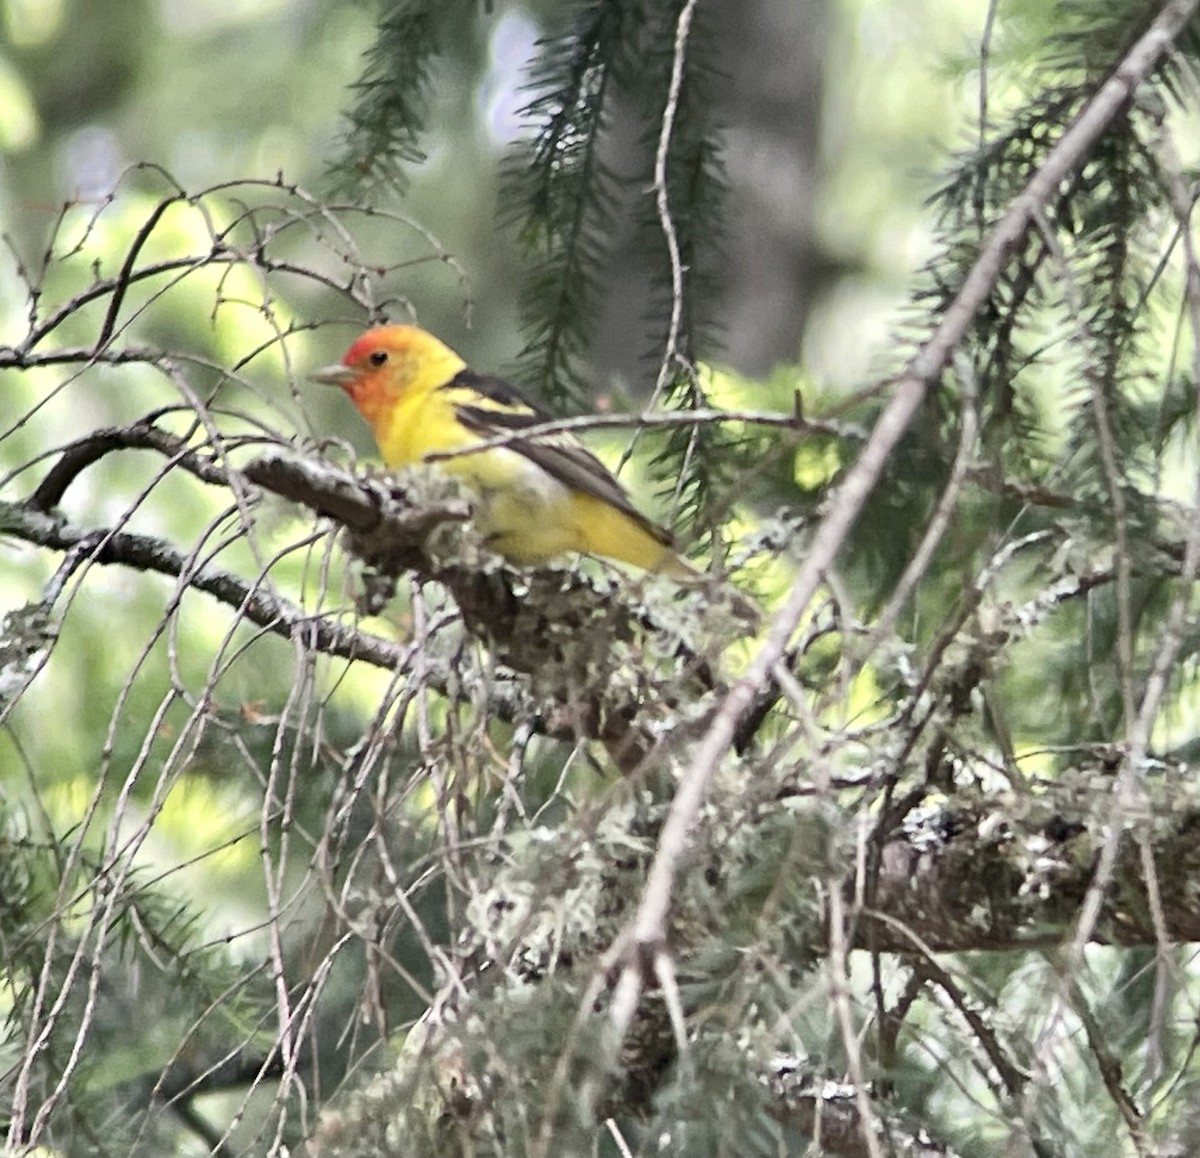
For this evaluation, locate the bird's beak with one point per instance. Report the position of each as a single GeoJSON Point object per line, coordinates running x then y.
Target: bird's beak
{"type": "Point", "coordinates": [335, 375]}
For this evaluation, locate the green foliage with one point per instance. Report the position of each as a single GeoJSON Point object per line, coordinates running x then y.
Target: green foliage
{"type": "Point", "coordinates": [1075, 390]}
{"type": "Point", "coordinates": [554, 900]}
{"type": "Point", "coordinates": [569, 202]}
{"type": "Point", "coordinates": [65, 916]}
{"type": "Point", "coordinates": [700, 463]}
{"type": "Point", "coordinates": [389, 115]}
{"type": "Point", "coordinates": [561, 189]}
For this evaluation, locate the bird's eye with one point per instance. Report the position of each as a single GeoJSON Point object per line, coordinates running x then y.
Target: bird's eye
{"type": "Point", "coordinates": [378, 357]}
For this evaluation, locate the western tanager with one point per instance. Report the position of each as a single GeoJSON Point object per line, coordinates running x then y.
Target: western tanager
{"type": "Point", "coordinates": [536, 498]}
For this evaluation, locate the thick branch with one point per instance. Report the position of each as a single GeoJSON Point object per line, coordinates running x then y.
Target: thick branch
{"type": "Point", "coordinates": [253, 601]}
{"type": "Point", "coordinates": [826, 1110]}
{"type": "Point", "coordinates": [1012, 873]}
{"type": "Point", "coordinates": [554, 626]}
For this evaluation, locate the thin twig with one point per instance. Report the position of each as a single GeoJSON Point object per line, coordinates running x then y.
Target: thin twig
{"type": "Point", "coordinates": [649, 420]}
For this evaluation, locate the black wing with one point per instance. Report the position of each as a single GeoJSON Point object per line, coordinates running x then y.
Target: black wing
{"type": "Point", "coordinates": [497, 390]}
{"type": "Point", "coordinates": [561, 456]}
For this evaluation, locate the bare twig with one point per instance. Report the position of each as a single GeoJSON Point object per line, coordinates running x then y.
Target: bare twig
{"type": "Point", "coordinates": [651, 420]}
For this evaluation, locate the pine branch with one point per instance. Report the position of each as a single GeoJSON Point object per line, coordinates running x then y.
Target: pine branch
{"type": "Point", "coordinates": [564, 192]}
{"type": "Point", "coordinates": [388, 117]}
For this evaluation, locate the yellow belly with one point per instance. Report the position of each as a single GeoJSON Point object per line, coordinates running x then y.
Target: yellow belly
{"type": "Point", "coordinates": [526, 514]}
{"type": "Point", "coordinates": [533, 525]}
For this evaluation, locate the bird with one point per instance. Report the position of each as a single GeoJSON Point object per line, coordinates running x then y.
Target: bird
{"type": "Point", "coordinates": [536, 498]}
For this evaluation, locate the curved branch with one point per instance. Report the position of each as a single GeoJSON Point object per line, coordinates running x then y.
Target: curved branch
{"type": "Point", "coordinates": [538, 623]}
{"type": "Point", "coordinates": [141, 435]}
{"type": "Point", "coordinates": [252, 600]}
{"type": "Point", "coordinates": [1010, 874]}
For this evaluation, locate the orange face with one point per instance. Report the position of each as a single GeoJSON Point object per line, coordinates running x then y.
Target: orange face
{"type": "Point", "coordinates": [374, 370]}
{"type": "Point", "coordinates": [388, 363]}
